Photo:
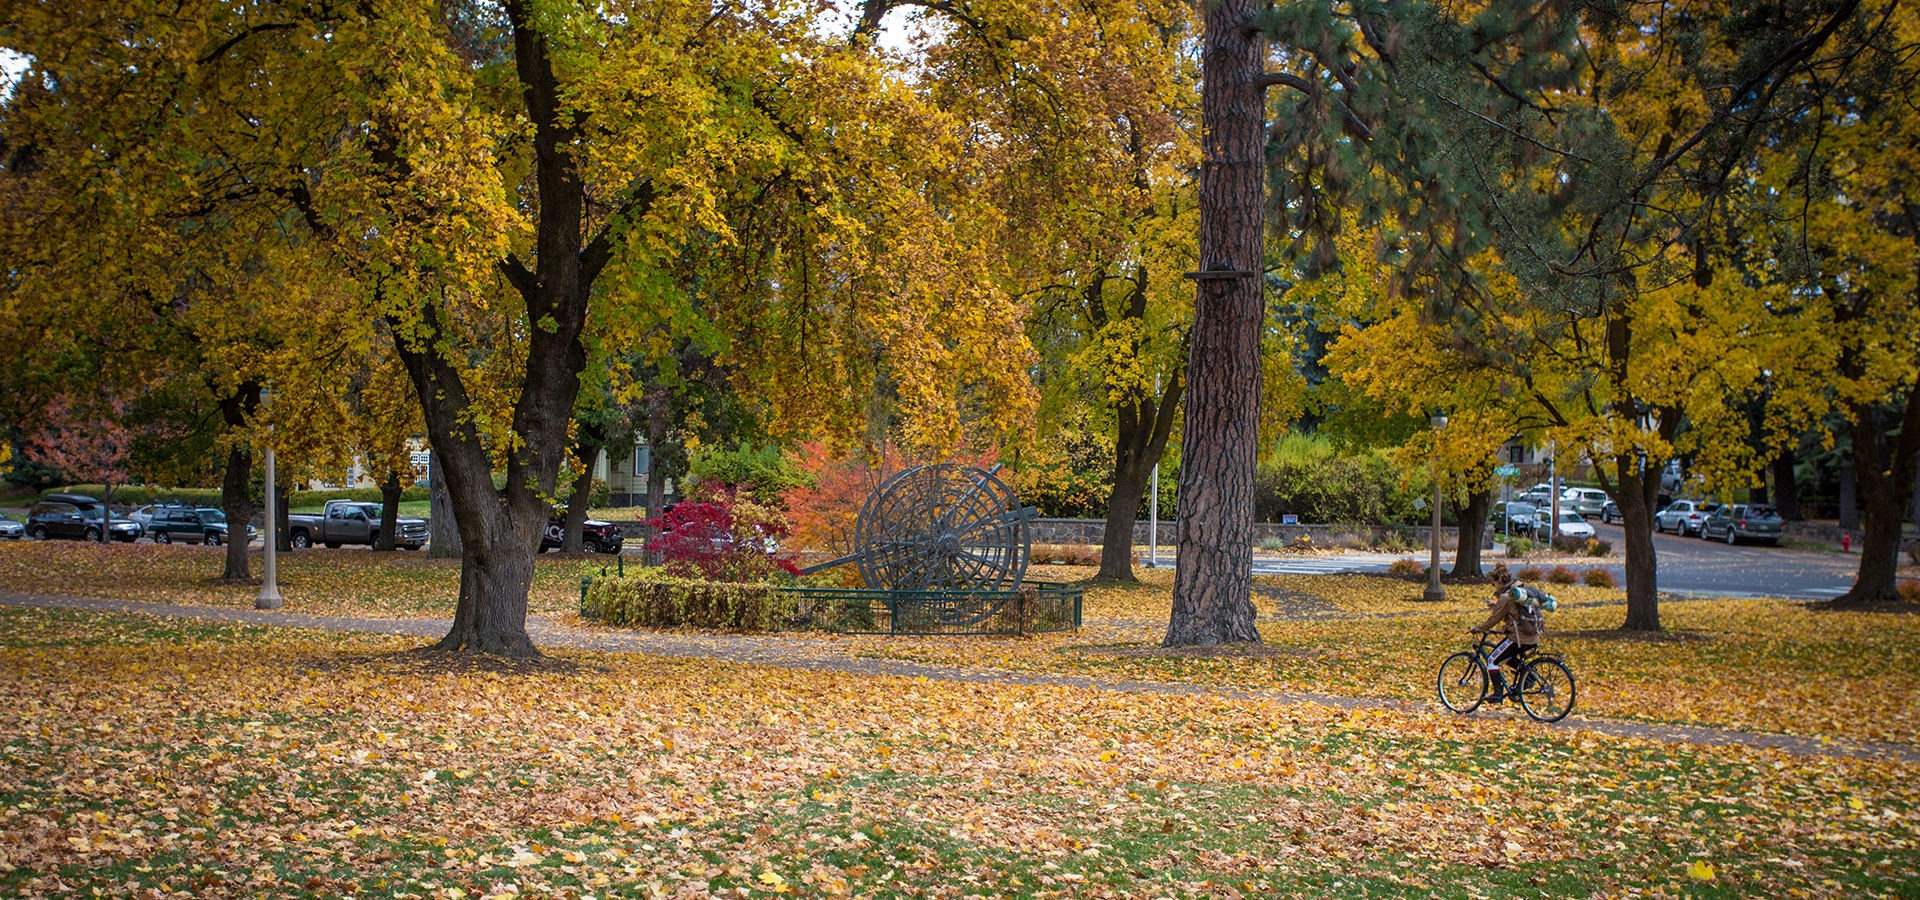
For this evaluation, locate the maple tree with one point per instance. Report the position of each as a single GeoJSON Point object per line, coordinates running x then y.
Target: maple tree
{"type": "Point", "coordinates": [517, 192]}
{"type": "Point", "coordinates": [90, 443]}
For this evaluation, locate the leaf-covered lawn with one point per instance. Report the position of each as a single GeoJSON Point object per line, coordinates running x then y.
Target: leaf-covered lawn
{"type": "Point", "coordinates": [151, 758]}
{"type": "Point", "coordinates": [353, 582]}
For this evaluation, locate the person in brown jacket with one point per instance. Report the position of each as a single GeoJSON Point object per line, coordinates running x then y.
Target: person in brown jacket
{"type": "Point", "coordinates": [1521, 631]}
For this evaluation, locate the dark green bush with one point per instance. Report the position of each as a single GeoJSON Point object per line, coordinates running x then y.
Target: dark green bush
{"type": "Point", "coordinates": [141, 495]}
{"type": "Point", "coordinates": [1322, 488]}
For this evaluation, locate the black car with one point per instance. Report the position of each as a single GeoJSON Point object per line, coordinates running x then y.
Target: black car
{"type": "Point", "coordinates": [76, 517]}
{"type": "Point", "coordinates": [595, 536]}
{"type": "Point", "coordinates": [190, 524]}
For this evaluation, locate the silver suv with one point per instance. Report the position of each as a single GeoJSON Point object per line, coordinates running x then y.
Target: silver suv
{"type": "Point", "coordinates": [1585, 501]}
{"type": "Point", "coordinates": [1684, 517]}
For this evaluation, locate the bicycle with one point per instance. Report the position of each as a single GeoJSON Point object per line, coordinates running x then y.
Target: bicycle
{"type": "Point", "coordinates": [1546, 688]}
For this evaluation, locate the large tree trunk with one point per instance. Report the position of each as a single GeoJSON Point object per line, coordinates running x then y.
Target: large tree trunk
{"type": "Point", "coordinates": [389, 512]}
{"type": "Point", "coordinates": [1140, 440]}
{"type": "Point", "coordinates": [236, 500]}
{"type": "Point", "coordinates": [236, 483]}
{"type": "Point", "coordinates": [1884, 466]}
{"type": "Point", "coordinates": [577, 503]}
{"type": "Point", "coordinates": [443, 533]}
{"type": "Point", "coordinates": [1786, 491]}
{"type": "Point", "coordinates": [1473, 524]}
{"type": "Point", "coordinates": [1637, 492]}
{"type": "Point", "coordinates": [1849, 515]}
{"type": "Point", "coordinates": [1212, 587]}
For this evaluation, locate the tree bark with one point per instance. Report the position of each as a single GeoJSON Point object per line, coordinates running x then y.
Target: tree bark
{"type": "Point", "coordinates": [389, 513]}
{"type": "Point", "coordinates": [443, 533]}
{"type": "Point", "coordinates": [1143, 426]}
{"type": "Point", "coordinates": [236, 483]}
{"type": "Point", "coordinates": [1637, 492]}
{"type": "Point", "coordinates": [1473, 524]}
{"type": "Point", "coordinates": [1786, 491]}
{"type": "Point", "coordinates": [1884, 466]}
{"type": "Point", "coordinates": [1212, 594]}
{"type": "Point", "coordinates": [577, 503]}
{"type": "Point", "coordinates": [1849, 512]}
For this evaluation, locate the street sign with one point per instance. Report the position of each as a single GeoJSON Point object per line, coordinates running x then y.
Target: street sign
{"type": "Point", "coordinates": [1289, 519]}
{"type": "Point", "coordinates": [1506, 471]}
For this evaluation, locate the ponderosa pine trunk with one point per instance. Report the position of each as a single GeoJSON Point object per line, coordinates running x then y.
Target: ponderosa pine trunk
{"type": "Point", "coordinates": [1473, 526]}
{"type": "Point", "coordinates": [1883, 465]}
{"type": "Point", "coordinates": [1212, 586]}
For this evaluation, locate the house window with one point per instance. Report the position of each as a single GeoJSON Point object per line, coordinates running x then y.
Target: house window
{"type": "Point", "coordinates": [1516, 454]}
{"type": "Point", "coordinates": [642, 461]}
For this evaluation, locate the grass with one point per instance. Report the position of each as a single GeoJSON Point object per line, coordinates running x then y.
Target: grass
{"type": "Point", "coordinates": [149, 758]}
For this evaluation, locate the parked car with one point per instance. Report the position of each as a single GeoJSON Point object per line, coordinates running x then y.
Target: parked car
{"type": "Point", "coordinates": [1518, 518]}
{"type": "Point", "coordinates": [10, 528]}
{"type": "Point", "coordinates": [1538, 495]}
{"type": "Point", "coordinates": [1585, 501]}
{"type": "Point", "coordinates": [1683, 517]}
{"type": "Point", "coordinates": [1735, 522]}
{"type": "Point", "coordinates": [192, 525]}
{"type": "Point", "coordinates": [1610, 513]}
{"type": "Point", "coordinates": [144, 515]}
{"type": "Point", "coordinates": [351, 522]}
{"type": "Point", "coordinates": [1571, 526]}
{"type": "Point", "coordinates": [76, 517]}
{"type": "Point", "coordinates": [595, 536]}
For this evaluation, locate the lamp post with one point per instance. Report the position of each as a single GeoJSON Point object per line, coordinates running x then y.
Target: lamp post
{"type": "Point", "coordinates": [1153, 506]}
{"type": "Point", "coordinates": [270, 579]}
{"type": "Point", "coordinates": [1434, 592]}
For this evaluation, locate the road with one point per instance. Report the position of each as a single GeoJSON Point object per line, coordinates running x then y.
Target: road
{"type": "Point", "coordinates": [1686, 565]}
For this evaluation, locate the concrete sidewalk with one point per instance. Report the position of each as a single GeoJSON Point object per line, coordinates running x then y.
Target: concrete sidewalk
{"type": "Point", "coordinates": [787, 653]}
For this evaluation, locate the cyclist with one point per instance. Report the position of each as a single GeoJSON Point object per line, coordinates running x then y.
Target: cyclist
{"type": "Point", "coordinates": [1521, 632]}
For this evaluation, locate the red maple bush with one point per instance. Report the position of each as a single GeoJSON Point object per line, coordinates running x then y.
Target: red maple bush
{"type": "Point", "coordinates": [722, 535]}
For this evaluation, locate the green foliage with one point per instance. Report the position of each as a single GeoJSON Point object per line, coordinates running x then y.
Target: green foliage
{"type": "Point", "coordinates": [597, 493]}
{"type": "Point", "coordinates": [666, 602]}
{"type": "Point", "coordinates": [1304, 477]}
{"type": "Point", "coordinates": [763, 473]}
{"type": "Point", "coordinates": [1519, 547]}
{"type": "Point", "coordinates": [139, 495]}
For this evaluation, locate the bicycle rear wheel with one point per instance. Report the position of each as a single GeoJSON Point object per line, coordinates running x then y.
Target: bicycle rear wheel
{"type": "Point", "coordinates": [1462, 683]}
{"type": "Point", "coordinates": [1546, 689]}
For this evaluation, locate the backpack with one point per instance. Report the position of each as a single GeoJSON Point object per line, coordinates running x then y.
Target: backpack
{"type": "Point", "coordinates": [1534, 604]}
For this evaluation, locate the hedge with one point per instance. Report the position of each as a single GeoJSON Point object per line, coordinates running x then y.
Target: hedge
{"type": "Point", "coordinates": [665, 602]}
{"type": "Point", "coordinates": [141, 495]}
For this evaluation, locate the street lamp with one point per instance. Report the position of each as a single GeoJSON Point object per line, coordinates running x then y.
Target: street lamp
{"type": "Point", "coordinates": [270, 579]}
{"type": "Point", "coordinates": [1435, 592]}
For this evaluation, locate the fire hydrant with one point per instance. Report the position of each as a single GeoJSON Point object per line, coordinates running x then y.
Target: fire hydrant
{"type": "Point", "coordinates": [1846, 543]}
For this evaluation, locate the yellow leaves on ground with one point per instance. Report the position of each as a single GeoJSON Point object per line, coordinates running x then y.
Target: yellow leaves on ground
{"type": "Point", "coordinates": [347, 582]}
{"type": "Point", "coordinates": [294, 761]}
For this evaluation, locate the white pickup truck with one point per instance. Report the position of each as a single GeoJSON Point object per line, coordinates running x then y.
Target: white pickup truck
{"type": "Point", "coordinates": [352, 522]}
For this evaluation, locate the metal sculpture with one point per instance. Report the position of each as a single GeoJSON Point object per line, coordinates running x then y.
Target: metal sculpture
{"type": "Point", "coordinates": [941, 527]}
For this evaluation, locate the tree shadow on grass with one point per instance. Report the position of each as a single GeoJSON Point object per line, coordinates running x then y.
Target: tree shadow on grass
{"type": "Point", "coordinates": [421, 661]}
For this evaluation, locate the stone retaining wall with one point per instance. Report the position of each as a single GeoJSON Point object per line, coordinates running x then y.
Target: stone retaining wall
{"type": "Point", "coordinates": [1094, 531]}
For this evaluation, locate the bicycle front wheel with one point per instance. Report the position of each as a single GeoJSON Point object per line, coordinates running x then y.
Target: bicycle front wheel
{"type": "Point", "coordinates": [1546, 689]}
{"type": "Point", "coordinates": [1462, 682]}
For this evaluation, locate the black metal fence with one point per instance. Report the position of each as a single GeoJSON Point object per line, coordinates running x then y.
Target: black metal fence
{"type": "Point", "coordinates": [1036, 607]}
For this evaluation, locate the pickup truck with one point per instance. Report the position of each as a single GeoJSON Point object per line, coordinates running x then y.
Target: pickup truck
{"type": "Point", "coordinates": [349, 522]}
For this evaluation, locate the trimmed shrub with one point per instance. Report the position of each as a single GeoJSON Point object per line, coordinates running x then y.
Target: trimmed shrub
{"type": "Point", "coordinates": [667, 602]}
{"type": "Point", "coordinates": [1519, 547]}
{"type": "Point", "coordinates": [1562, 575]}
{"type": "Point", "coordinates": [1406, 566]}
{"type": "Point", "coordinates": [1909, 590]}
{"type": "Point", "coordinates": [1065, 554]}
{"type": "Point", "coordinates": [141, 495]}
{"type": "Point", "coordinates": [1599, 578]}
{"type": "Point", "coordinates": [1529, 575]}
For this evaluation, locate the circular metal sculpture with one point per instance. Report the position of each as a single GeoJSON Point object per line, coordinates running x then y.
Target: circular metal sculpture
{"type": "Point", "coordinates": [943, 527]}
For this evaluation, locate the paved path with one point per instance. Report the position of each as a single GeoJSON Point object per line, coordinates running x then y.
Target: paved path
{"type": "Point", "coordinates": [786, 653]}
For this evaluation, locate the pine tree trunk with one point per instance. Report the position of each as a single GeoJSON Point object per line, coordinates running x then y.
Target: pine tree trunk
{"type": "Point", "coordinates": [1212, 593]}
{"type": "Point", "coordinates": [236, 500]}
{"type": "Point", "coordinates": [1473, 525]}
{"type": "Point", "coordinates": [389, 513]}
{"type": "Point", "coordinates": [1884, 465]}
